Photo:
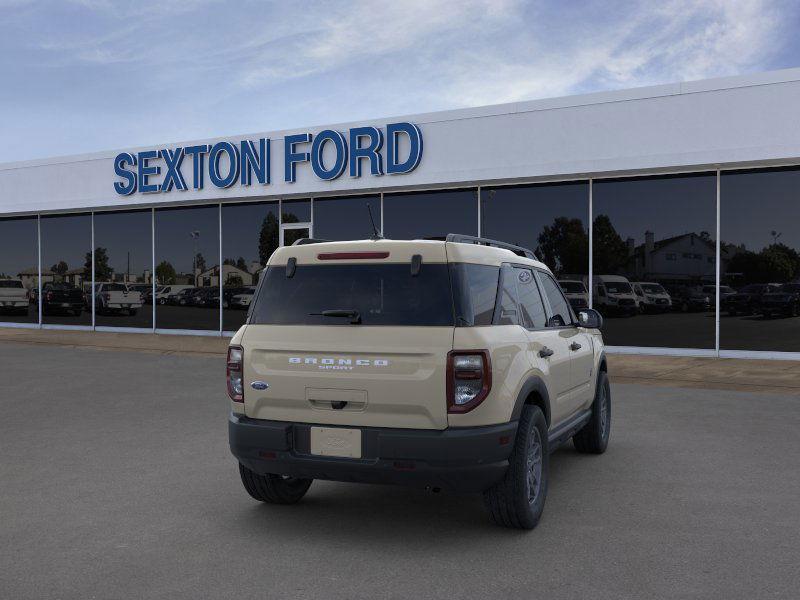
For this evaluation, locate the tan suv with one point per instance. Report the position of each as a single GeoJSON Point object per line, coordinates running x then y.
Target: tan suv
{"type": "Point", "coordinates": [447, 364]}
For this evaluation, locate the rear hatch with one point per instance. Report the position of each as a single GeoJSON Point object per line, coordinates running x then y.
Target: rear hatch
{"type": "Point", "coordinates": [375, 358]}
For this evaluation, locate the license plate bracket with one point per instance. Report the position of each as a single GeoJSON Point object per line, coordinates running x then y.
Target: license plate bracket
{"type": "Point", "coordinates": [336, 441]}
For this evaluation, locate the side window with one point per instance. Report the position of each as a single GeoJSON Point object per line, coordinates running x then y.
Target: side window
{"type": "Point", "coordinates": [474, 292]}
{"type": "Point", "coordinates": [530, 300]}
{"type": "Point", "coordinates": [507, 297]}
{"type": "Point", "coordinates": [601, 290]}
{"type": "Point", "coordinates": [560, 307]}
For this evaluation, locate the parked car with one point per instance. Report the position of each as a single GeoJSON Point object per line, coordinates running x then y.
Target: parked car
{"type": "Point", "coordinates": [207, 297]}
{"type": "Point", "coordinates": [166, 291]}
{"type": "Point", "coordinates": [181, 297]}
{"type": "Point", "coordinates": [145, 289]}
{"type": "Point", "coordinates": [575, 292]}
{"type": "Point", "coordinates": [229, 292]}
{"type": "Point", "coordinates": [614, 295]}
{"type": "Point", "coordinates": [785, 301]}
{"type": "Point", "coordinates": [61, 297]}
{"type": "Point", "coordinates": [747, 301]}
{"type": "Point", "coordinates": [14, 298]}
{"type": "Point", "coordinates": [651, 297]}
{"type": "Point", "coordinates": [116, 298]}
{"type": "Point", "coordinates": [725, 291]}
{"type": "Point", "coordinates": [690, 299]}
{"type": "Point", "coordinates": [427, 398]}
{"type": "Point", "coordinates": [242, 301]}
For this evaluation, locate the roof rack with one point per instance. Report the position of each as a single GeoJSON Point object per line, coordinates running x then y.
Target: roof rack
{"type": "Point", "coordinates": [471, 239]}
{"type": "Point", "coordinates": [306, 241]}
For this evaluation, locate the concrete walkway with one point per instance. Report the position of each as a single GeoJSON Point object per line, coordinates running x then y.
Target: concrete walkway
{"type": "Point", "coordinates": [772, 376]}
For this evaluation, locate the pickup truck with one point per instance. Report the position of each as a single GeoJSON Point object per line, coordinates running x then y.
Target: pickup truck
{"type": "Point", "coordinates": [13, 296]}
{"type": "Point", "coordinates": [115, 298]}
{"type": "Point", "coordinates": [61, 297]}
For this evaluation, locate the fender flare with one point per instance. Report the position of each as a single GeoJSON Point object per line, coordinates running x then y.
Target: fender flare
{"type": "Point", "coordinates": [533, 384]}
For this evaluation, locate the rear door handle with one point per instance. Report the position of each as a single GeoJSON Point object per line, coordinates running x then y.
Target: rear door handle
{"type": "Point", "coordinates": [574, 346]}
{"type": "Point", "coordinates": [545, 352]}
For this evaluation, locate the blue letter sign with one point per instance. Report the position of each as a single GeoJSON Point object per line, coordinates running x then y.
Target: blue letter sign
{"type": "Point", "coordinates": [226, 163]}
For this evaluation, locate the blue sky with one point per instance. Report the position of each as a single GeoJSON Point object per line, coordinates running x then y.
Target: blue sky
{"type": "Point", "coordinates": [86, 75]}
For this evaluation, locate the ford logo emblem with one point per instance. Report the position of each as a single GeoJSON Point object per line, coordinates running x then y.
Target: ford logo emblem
{"type": "Point", "coordinates": [259, 385]}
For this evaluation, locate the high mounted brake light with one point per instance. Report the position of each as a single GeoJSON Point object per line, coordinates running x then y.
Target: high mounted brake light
{"type": "Point", "coordinates": [351, 255]}
{"type": "Point", "coordinates": [469, 379]}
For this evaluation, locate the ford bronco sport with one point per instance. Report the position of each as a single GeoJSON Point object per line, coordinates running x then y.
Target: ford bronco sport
{"type": "Point", "coordinates": [451, 364]}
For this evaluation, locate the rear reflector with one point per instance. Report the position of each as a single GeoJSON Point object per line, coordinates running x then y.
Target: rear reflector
{"type": "Point", "coordinates": [351, 255]}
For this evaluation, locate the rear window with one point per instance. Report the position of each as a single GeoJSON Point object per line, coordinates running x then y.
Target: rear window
{"type": "Point", "coordinates": [382, 294]}
{"type": "Point", "coordinates": [10, 284]}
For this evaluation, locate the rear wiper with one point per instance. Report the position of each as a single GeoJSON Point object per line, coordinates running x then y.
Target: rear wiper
{"type": "Point", "coordinates": [353, 315]}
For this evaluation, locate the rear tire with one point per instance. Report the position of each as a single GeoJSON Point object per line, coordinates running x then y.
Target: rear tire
{"type": "Point", "coordinates": [518, 499]}
{"type": "Point", "coordinates": [593, 437]}
{"type": "Point", "coordinates": [273, 489]}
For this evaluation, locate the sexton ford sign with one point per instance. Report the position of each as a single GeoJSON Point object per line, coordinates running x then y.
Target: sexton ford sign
{"type": "Point", "coordinates": [225, 163]}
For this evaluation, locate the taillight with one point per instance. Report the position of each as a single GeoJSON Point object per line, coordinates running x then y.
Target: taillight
{"type": "Point", "coordinates": [49, 296]}
{"type": "Point", "coordinates": [469, 379]}
{"type": "Point", "coordinates": [234, 373]}
{"type": "Point", "coordinates": [106, 296]}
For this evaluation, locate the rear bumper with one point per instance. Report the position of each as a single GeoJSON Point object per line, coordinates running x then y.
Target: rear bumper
{"type": "Point", "coordinates": [468, 459]}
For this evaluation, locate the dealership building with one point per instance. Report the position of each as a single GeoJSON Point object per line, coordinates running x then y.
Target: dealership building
{"type": "Point", "coordinates": [674, 210]}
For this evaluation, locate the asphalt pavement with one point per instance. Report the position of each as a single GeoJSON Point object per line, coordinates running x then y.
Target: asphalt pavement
{"type": "Point", "coordinates": [116, 482]}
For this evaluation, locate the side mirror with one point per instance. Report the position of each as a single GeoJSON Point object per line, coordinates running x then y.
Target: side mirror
{"type": "Point", "coordinates": [590, 319]}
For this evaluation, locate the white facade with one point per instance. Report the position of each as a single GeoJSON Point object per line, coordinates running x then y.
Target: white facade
{"type": "Point", "coordinates": [728, 122]}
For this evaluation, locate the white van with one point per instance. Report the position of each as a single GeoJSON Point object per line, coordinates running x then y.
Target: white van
{"type": "Point", "coordinates": [613, 295]}
{"type": "Point", "coordinates": [651, 297]}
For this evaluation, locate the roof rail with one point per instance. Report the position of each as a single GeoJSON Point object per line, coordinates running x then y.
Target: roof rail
{"type": "Point", "coordinates": [471, 239]}
{"type": "Point", "coordinates": [306, 241]}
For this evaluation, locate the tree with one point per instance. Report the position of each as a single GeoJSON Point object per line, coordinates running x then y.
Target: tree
{"type": "Point", "coordinates": [165, 273]}
{"type": "Point", "coordinates": [241, 263]}
{"type": "Point", "coordinates": [60, 268]}
{"type": "Point", "coordinates": [564, 246]}
{"type": "Point", "coordinates": [267, 238]}
{"type": "Point", "coordinates": [228, 261]}
{"type": "Point", "coordinates": [610, 250]}
{"type": "Point", "coordinates": [102, 271]}
{"type": "Point", "coordinates": [200, 262]}
{"type": "Point", "coordinates": [775, 263]}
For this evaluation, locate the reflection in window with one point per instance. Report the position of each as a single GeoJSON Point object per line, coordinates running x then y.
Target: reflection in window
{"type": "Point", "coordinates": [123, 266]}
{"type": "Point", "coordinates": [187, 266]}
{"type": "Point", "coordinates": [656, 230]}
{"type": "Point", "coordinates": [346, 218]}
{"type": "Point", "coordinates": [19, 270]}
{"type": "Point", "coordinates": [296, 211]}
{"type": "Point", "coordinates": [550, 219]}
{"type": "Point", "coordinates": [66, 269]}
{"type": "Point", "coordinates": [430, 214]}
{"type": "Point", "coordinates": [249, 237]}
{"type": "Point", "coordinates": [760, 260]}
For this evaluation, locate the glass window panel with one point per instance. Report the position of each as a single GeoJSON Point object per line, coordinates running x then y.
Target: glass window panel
{"type": "Point", "coordinates": [249, 237]}
{"type": "Point", "coordinates": [19, 270]}
{"type": "Point", "coordinates": [296, 211]}
{"type": "Point", "coordinates": [123, 264]}
{"type": "Point", "coordinates": [760, 254]}
{"type": "Point", "coordinates": [508, 297]}
{"type": "Point", "coordinates": [558, 303]}
{"type": "Point", "coordinates": [187, 257]}
{"type": "Point", "coordinates": [66, 269]}
{"type": "Point", "coordinates": [530, 300]}
{"type": "Point", "coordinates": [550, 219]}
{"type": "Point", "coordinates": [660, 231]}
{"type": "Point", "coordinates": [474, 293]}
{"type": "Point", "coordinates": [346, 218]}
{"type": "Point", "coordinates": [430, 214]}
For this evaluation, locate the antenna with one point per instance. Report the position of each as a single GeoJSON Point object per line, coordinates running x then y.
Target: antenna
{"type": "Point", "coordinates": [376, 235]}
